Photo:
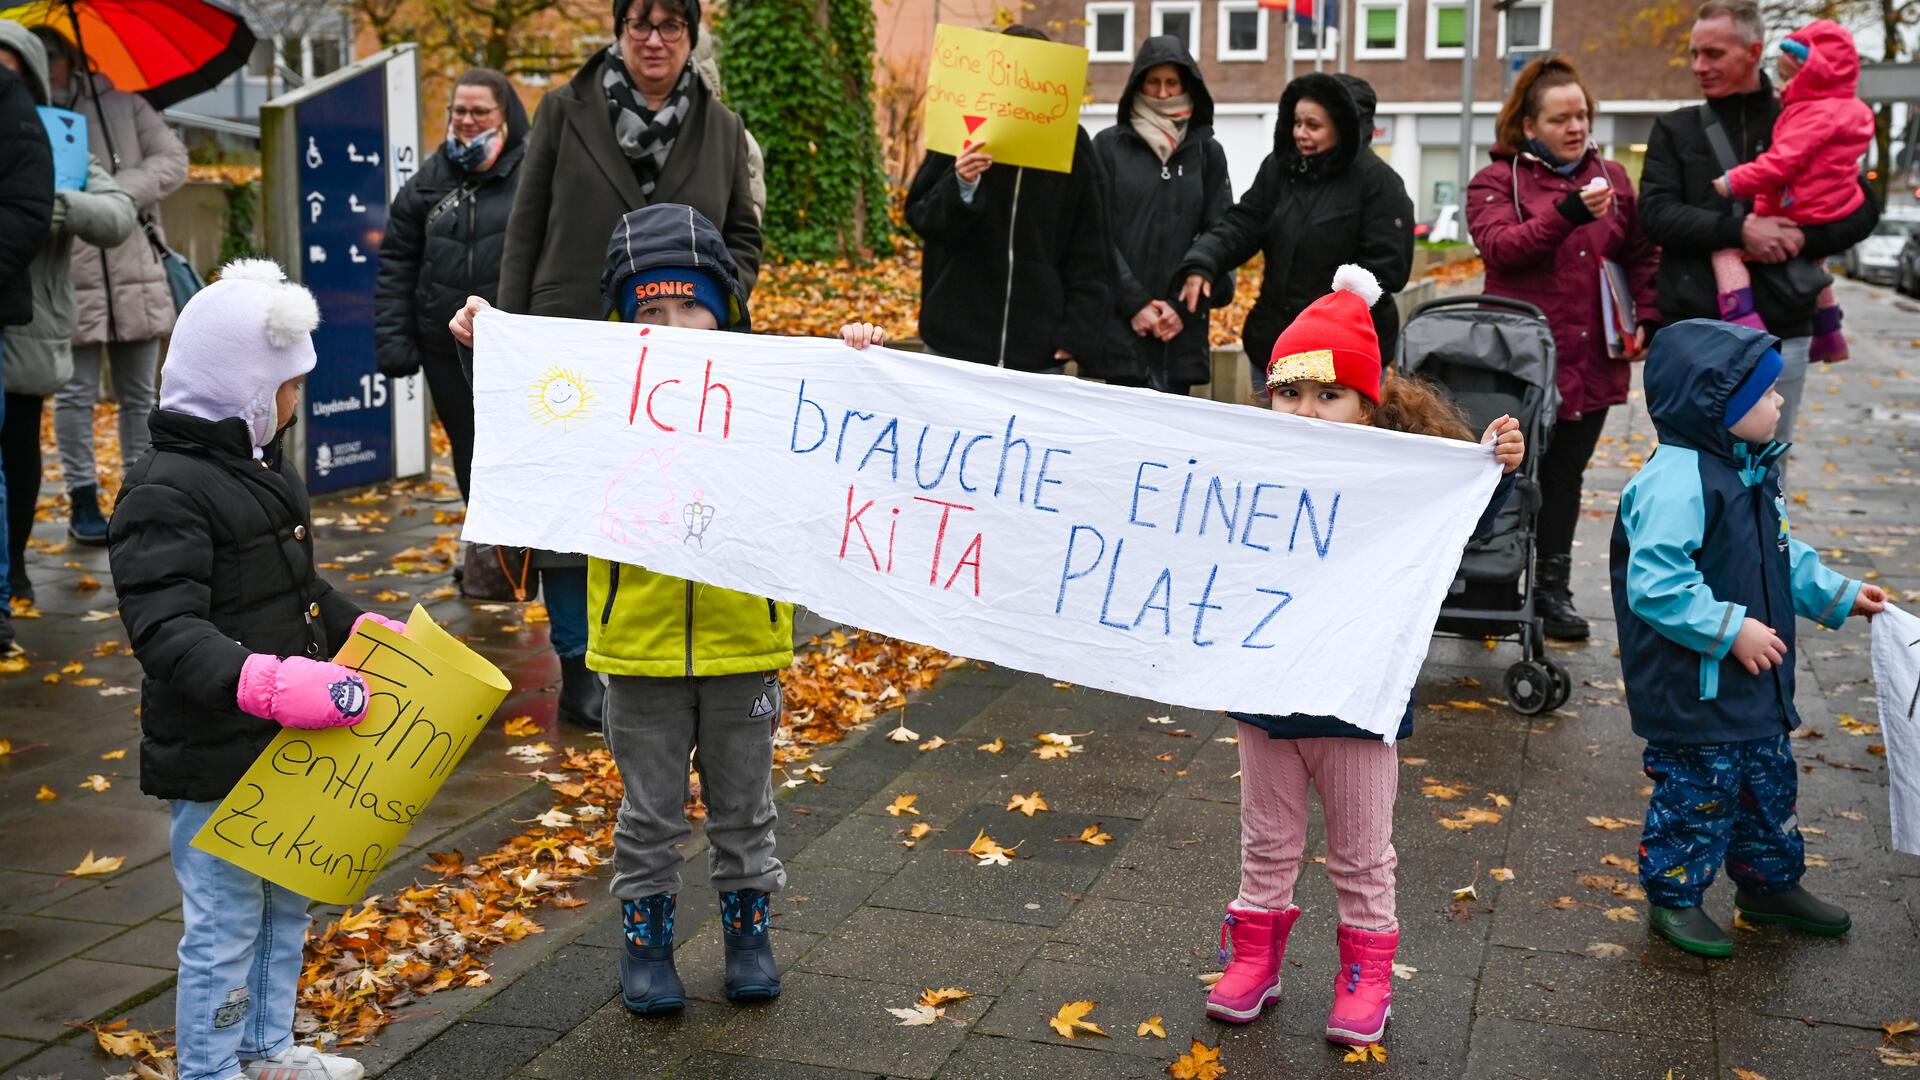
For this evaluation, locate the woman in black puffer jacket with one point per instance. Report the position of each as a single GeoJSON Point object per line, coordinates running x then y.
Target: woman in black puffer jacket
{"type": "Point", "coordinates": [445, 234]}
{"type": "Point", "coordinates": [1321, 199]}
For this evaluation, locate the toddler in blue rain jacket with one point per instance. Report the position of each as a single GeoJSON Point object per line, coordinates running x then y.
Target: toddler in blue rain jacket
{"type": "Point", "coordinates": [1706, 584]}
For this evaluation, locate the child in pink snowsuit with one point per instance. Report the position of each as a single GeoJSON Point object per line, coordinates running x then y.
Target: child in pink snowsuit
{"type": "Point", "coordinates": [1811, 173]}
{"type": "Point", "coordinates": [1326, 366]}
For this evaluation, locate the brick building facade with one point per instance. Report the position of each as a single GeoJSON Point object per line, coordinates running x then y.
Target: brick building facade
{"type": "Point", "coordinates": [1409, 50]}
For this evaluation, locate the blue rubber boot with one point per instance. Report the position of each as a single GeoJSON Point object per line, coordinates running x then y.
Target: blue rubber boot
{"type": "Point", "coordinates": [751, 973]}
{"type": "Point", "coordinates": [648, 983]}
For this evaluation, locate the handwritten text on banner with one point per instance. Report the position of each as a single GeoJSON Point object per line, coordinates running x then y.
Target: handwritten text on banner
{"type": "Point", "coordinates": [1182, 550]}
{"type": "Point", "coordinates": [1019, 96]}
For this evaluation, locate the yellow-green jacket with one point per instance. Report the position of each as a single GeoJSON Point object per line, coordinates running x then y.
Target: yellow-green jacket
{"type": "Point", "coordinates": [643, 623]}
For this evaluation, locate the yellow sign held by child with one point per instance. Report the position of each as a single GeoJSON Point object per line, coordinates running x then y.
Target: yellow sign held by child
{"type": "Point", "coordinates": [1018, 96]}
{"type": "Point", "coordinates": [320, 812]}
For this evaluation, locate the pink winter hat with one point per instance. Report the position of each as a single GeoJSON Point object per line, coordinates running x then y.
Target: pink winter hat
{"type": "Point", "coordinates": [236, 343]}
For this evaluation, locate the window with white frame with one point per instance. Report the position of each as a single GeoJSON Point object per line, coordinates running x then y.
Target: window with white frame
{"type": "Point", "coordinates": [1242, 30]}
{"type": "Point", "coordinates": [1110, 31]}
{"type": "Point", "coordinates": [1380, 30]}
{"type": "Point", "coordinates": [1527, 25]}
{"type": "Point", "coordinates": [1311, 43]}
{"type": "Point", "coordinates": [1178, 18]}
{"type": "Point", "coordinates": [1446, 29]}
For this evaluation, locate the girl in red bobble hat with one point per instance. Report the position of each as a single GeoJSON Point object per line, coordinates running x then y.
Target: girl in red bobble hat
{"type": "Point", "coordinates": [1326, 366]}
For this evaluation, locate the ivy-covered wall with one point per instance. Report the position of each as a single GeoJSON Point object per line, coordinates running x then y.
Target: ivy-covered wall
{"type": "Point", "coordinates": [800, 73]}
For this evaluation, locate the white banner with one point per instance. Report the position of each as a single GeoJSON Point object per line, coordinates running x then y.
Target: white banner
{"type": "Point", "coordinates": [1896, 677]}
{"type": "Point", "coordinates": [1181, 550]}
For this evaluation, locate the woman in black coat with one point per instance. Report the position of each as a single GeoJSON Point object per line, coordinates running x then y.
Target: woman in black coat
{"type": "Point", "coordinates": [1165, 184]}
{"type": "Point", "coordinates": [1322, 198]}
{"type": "Point", "coordinates": [445, 233]}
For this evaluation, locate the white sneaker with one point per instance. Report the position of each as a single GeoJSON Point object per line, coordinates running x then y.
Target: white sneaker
{"type": "Point", "coordinates": [303, 1063]}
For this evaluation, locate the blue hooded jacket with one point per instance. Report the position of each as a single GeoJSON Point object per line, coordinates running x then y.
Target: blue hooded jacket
{"type": "Point", "coordinates": [1700, 544]}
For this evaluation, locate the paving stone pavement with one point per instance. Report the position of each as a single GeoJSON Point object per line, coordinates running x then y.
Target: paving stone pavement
{"type": "Point", "coordinates": [1500, 986]}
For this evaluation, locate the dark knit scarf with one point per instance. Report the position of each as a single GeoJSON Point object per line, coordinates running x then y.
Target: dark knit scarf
{"type": "Point", "coordinates": [1312, 167]}
{"type": "Point", "coordinates": [645, 136]}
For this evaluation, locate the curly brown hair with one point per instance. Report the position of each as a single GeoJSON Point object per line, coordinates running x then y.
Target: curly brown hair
{"type": "Point", "coordinates": [1532, 84]}
{"type": "Point", "coordinates": [1412, 404]}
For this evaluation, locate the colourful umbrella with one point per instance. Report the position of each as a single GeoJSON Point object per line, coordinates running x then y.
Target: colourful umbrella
{"type": "Point", "coordinates": [168, 50]}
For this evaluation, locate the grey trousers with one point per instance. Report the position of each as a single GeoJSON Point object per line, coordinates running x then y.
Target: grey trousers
{"type": "Point", "coordinates": [1792, 385]}
{"type": "Point", "coordinates": [135, 364]}
{"type": "Point", "coordinates": [726, 722]}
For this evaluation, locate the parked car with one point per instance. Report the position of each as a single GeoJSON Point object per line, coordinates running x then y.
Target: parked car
{"type": "Point", "coordinates": [1444, 226]}
{"type": "Point", "coordinates": [1877, 258]}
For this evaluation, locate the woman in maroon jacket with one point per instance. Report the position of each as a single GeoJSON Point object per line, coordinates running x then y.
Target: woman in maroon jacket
{"type": "Point", "coordinates": [1547, 215]}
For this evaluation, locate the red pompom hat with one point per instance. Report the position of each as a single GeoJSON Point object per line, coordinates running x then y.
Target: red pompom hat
{"type": "Point", "coordinates": [1333, 340]}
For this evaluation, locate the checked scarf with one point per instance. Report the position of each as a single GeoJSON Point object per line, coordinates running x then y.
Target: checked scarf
{"type": "Point", "coordinates": [645, 136]}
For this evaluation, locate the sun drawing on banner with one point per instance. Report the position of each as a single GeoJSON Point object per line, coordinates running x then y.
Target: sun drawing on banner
{"type": "Point", "coordinates": [561, 394]}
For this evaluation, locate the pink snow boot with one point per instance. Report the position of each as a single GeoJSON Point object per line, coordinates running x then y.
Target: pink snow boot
{"type": "Point", "coordinates": [1363, 988]}
{"type": "Point", "coordinates": [1252, 979]}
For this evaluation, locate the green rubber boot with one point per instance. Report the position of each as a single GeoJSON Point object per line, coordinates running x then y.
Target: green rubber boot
{"type": "Point", "coordinates": [1691, 929]}
{"type": "Point", "coordinates": [1795, 907]}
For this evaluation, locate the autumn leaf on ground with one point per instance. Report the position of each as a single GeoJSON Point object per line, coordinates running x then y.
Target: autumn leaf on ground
{"type": "Point", "coordinates": [87, 583]}
{"type": "Point", "coordinates": [917, 1015]}
{"type": "Point", "coordinates": [1434, 789]}
{"type": "Point", "coordinates": [113, 755]}
{"type": "Point", "coordinates": [46, 794]}
{"type": "Point", "coordinates": [989, 851]}
{"type": "Point", "coordinates": [1896, 1028]}
{"type": "Point", "coordinates": [945, 996]}
{"type": "Point", "coordinates": [14, 664]}
{"type": "Point", "coordinates": [1027, 804]}
{"type": "Point", "coordinates": [914, 834]}
{"type": "Point", "coordinates": [1747, 1074]}
{"type": "Point", "coordinates": [1089, 835]}
{"type": "Point", "coordinates": [1369, 1052]}
{"type": "Point", "coordinates": [1413, 761]}
{"type": "Point", "coordinates": [367, 918]}
{"type": "Point", "coordinates": [902, 734]}
{"type": "Point", "coordinates": [1200, 1062]}
{"type": "Point", "coordinates": [1498, 799]}
{"type": "Point", "coordinates": [1152, 1026]}
{"type": "Point", "coordinates": [1072, 1017]}
{"type": "Point", "coordinates": [1620, 861]}
{"type": "Point", "coordinates": [122, 1041]}
{"type": "Point", "coordinates": [521, 727]}
{"type": "Point", "coordinates": [993, 747]}
{"type": "Point", "coordinates": [1563, 903]}
{"type": "Point", "coordinates": [1605, 950]}
{"type": "Point", "coordinates": [1466, 892]}
{"type": "Point", "coordinates": [903, 804]}
{"type": "Point", "coordinates": [1857, 727]}
{"type": "Point", "coordinates": [1469, 817]}
{"type": "Point", "coordinates": [1896, 1057]}
{"type": "Point", "coordinates": [1624, 913]}
{"type": "Point", "coordinates": [90, 865]}
{"type": "Point", "coordinates": [1611, 823]}
{"type": "Point", "coordinates": [73, 667]}
{"type": "Point", "coordinates": [1500, 873]}
{"type": "Point", "coordinates": [1469, 706]}
{"type": "Point", "coordinates": [96, 782]}
{"type": "Point", "coordinates": [1404, 971]}
{"type": "Point", "coordinates": [1741, 922]}
{"type": "Point", "coordinates": [934, 743]}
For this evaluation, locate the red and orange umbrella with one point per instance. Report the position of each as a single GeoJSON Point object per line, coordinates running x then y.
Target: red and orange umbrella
{"type": "Point", "coordinates": [168, 50]}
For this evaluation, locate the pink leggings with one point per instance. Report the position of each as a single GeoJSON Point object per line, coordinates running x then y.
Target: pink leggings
{"type": "Point", "coordinates": [1356, 779]}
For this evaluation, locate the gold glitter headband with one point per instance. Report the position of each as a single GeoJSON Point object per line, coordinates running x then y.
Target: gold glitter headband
{"type": "Point", "coordinates": [1316, 365]}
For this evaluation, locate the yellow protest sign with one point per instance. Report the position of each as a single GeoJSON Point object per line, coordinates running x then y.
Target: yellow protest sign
{"type": "Point", "coordinates": [319, 812]}
{"type": "Point", "coordinates": [1019, 96]}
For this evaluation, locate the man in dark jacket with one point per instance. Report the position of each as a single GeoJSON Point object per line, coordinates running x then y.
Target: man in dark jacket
{"type": "Point", "coordinates": [445, 233]}
{"type": "Point", "coordinates": [1310, 213]}
{"type": "Point", "coordinates": [1164, 183]}
{"type": "Point", "coordinates": [1680, 211]}
{"type": "Point", "coordinates": [1016, 258]}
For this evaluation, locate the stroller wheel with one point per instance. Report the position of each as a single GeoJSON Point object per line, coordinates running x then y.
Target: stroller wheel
{"type": "Point", "coordinates": [1562, 685]}
{"type": "Point", "coordinates": [1530, 687]}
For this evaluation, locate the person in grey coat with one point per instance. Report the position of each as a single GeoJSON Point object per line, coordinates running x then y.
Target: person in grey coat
{"type": "Point", "coordinates": [123, 305]}
{"type": "Point", "coordinates": [39, 353]}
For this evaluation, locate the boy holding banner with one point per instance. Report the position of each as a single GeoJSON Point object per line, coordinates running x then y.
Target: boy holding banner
{"type": "Point", "coordinates": [212, 558]}
{"type": "Point", "coordinates": [1326, 366]}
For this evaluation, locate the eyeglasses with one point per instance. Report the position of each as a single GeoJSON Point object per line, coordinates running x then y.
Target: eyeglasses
{"type": "Point", "coordinates": [670, 30]}
{"type": "Point", "coordinates": [461, 112]}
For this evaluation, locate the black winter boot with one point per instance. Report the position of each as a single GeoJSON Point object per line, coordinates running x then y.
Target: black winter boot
{"type": "Point", "coordinates": [1796, 907]}
{"type": "Point", "coordinates": [583, 697]}
{"type": "Point", "coordinates": [751, 973]}
{"type": "Point", "coordinates": [649, 985]}
{"type": "Point", "coordinates": [87, 525]}
{"type": "Point", "coordinates": [1553, 598]}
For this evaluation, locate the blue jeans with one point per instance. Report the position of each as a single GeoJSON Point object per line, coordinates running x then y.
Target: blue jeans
{"type": "Point", "coordinates": [565, 590]}
{"type": "Point", "coordinates": [239, 957]}
{"type": "Point", "coordinates": [1721, 802]}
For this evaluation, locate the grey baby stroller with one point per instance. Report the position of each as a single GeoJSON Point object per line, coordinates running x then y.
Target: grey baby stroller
{"type": "Point", "coordinates": [1494, 356]}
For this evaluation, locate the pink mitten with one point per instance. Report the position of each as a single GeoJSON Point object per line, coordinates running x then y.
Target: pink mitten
{"type": "Point", "coordinates": [297, 692]}
{"type": "Point", "coordinates": [396, 627]}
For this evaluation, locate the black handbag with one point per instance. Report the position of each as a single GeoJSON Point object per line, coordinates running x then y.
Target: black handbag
{"type": "Point", "coordinates": [499, 574]}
